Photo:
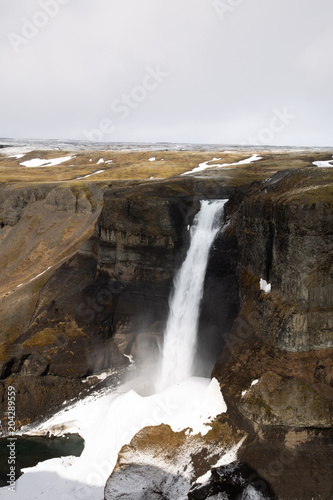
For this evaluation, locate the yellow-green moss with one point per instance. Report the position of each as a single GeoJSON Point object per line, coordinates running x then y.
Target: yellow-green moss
{"type": "Point", "coordinates": [48, 336]}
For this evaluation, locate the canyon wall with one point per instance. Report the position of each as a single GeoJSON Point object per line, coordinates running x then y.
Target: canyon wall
{"type": "Point", "coordinates": [276, 369]}
{"type": "Point", "coordinates": [284, 337]}
{"type": "Point", "coordinates": [71, 312]}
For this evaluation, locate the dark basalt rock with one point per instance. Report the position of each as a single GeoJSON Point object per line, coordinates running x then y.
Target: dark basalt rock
{"type": "Point", "coordinates": [284, 234]}
{"type": "Point", "coordinates": [235, 481]}
{"type": "Point", "coordinates": [282, 340]}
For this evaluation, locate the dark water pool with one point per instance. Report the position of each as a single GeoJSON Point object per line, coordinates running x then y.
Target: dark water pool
{"type": "Point", "coordinates": [29, 450]}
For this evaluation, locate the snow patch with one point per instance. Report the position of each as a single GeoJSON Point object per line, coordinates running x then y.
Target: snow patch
{"type": "Point", "coordinates": [89, 175]}
{"type": "Point", "coordinates": [100, 376]}
{"type": "Point", "coordinates": [35, 277]}
{"type": "Point", "coordinates": [205, 165]}
{"type": "Point", "coordinates": [16, 156]}
{"type": "Point", "coordinates": [41, 273]}
{"type": "Point", "coordinates": [323, 164]}
{"type": "Point", "coordinates": [100, 161]}
{"type": "Point", "coordinates": [253, 383]}
{"type": "Point", "coordinates": [266, 287]}
{"type": "Point", "coordinates": [227, 458]}
{"type": "Point", "coordinates": [37, 162]}
{"type": "Point", "coordinates": [152, 159]}
{"type": "Point", "coordinates": [130, 357]}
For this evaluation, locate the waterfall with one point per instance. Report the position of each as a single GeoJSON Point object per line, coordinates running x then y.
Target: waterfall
{"type": "Point", "coordinates": [180, 336]}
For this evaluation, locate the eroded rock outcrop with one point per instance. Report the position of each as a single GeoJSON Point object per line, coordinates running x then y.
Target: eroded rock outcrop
{"type": "Point", "coordinates": [162, 464]}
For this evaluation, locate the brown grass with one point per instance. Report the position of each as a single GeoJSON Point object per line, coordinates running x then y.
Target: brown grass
{"type": "Point", "coordinates": [135, 165]}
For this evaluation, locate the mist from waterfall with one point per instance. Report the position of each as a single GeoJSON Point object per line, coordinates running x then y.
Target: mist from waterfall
{"type": "Point", "coordinates": [180, 336]}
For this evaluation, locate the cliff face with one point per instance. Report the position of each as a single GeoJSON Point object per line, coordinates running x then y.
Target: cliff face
{"type": "Point", "coordinates": [137, 236]}
{"type": "Point", "coordinates": [276, 369]}
{"type": "Point", "coordinates": [105, 302]}
{"type": "Point", "coordinates": [41, 227]}
{"type": "Point", "coordinates": [285, 236]}
{"type": "Point", "coordinates": [284, 337]}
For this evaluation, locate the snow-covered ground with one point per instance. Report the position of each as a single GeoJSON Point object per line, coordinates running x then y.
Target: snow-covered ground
{"type": "Point", "coordinates": [107, 421]}
{"type": "Point", "coordinates": [328, 163]}
{"type": "Point", "coordinates": [37, 162]}
{"type": "Point", "coordinates": [205, 165]}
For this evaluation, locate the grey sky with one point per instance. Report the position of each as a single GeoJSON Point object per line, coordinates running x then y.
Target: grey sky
{"type": "Point", "coordinates": [178, 70]}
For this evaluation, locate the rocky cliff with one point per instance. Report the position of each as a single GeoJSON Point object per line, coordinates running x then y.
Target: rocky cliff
{"type": "Point", "coordinates": [92, 302]}
{"type": "Point", "coordinates": [276, 369]}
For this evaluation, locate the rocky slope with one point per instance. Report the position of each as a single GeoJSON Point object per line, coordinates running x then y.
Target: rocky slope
{"type": "Point", "coordinates": [41, 227]}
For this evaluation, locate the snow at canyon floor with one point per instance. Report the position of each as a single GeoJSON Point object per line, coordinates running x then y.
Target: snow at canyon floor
{"type": "Point", "coordinates": [109, 420]}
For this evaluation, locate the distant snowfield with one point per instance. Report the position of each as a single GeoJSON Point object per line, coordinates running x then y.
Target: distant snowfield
{"type": "Point", "coordinates": [205, 165]}
{"type": "Point", "coordinates": [106, 422]}
{"type": "Point", "coordinates": [37, 162]}
{"type": "Point", "coordinates": [15, 151]}
{"type": "Point", "coordinates": [89, 175]}
{"type": "Point", "coordinates": [323, 164]}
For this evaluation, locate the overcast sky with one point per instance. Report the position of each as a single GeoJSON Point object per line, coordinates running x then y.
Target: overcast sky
{"type": "Point", "coordinates": [229, 71]}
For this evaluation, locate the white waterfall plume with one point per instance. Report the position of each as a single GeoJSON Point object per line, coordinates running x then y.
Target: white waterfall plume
{"type": "Point", "coordinates": [180, 336]}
